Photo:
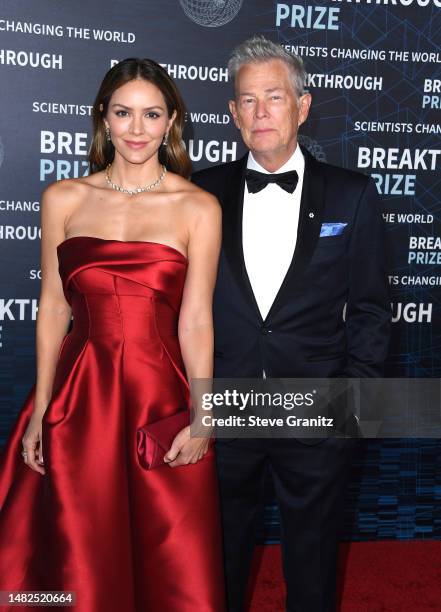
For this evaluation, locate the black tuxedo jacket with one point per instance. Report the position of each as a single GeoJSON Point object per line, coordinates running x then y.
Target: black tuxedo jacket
{"type": "Point", "coordinates": [304, 334]}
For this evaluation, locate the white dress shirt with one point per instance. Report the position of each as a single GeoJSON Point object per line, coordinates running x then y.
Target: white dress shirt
{"type": "Point", "coordinates": [269, 231]}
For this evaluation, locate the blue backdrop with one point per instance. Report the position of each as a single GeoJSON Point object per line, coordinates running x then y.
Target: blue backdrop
{"type": "Point", "coordinates": [374, 73]}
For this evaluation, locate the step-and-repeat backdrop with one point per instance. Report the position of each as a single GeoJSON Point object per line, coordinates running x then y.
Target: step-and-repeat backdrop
{"type": "Point", "coordinates": [375, 76]}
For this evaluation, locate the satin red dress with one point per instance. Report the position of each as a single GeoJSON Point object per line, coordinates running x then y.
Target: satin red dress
{"type": "Point", "coordinates": [97, 523]}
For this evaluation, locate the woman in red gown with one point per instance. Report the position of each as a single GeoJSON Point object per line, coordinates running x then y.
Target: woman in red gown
{"type": "Point", "coordinates": [131, 252]}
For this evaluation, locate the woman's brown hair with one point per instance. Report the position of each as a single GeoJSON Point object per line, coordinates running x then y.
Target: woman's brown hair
{"type": "Point", "coordinates": [102, 152]}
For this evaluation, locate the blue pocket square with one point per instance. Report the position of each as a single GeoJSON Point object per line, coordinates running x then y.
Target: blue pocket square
{"type": "Point", "coordinates": [332, 229]}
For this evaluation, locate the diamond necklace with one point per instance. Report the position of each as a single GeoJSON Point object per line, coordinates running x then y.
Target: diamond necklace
{"type": "Point", "coordinates": [138, 189]}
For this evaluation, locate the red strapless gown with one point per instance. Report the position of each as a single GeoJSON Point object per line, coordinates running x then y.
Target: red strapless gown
{"type": "Point", "coordinates": [123, 538]}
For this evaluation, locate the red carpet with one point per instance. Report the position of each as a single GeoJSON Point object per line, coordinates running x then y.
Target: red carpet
{"type": "Point", "coordinates": [374, 577]}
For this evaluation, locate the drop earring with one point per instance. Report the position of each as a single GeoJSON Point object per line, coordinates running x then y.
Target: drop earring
{"type": "Point", "coordinates": [165, 140]}
{"type": "Point", "coordinates": [108, 138]}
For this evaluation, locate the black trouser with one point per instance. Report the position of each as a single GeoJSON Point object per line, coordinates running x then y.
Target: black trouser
{"type": "Point", "coordinates": [309, 482]}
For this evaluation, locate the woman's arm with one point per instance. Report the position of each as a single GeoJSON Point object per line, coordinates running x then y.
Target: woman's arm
{"type": "Point", "coordinates": [195, 328]}
{"type": "Point", "coordinates": [53, 317]}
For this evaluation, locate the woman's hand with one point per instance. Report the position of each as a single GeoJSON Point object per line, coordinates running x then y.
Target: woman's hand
{"type": "Point", "coordinates": [185, 449]}
{"type": "Point", "coordinates": [32, 444]}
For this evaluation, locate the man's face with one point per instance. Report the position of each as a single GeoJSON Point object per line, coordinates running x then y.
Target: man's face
{"type": "Point", "coordinates": [266, 109]}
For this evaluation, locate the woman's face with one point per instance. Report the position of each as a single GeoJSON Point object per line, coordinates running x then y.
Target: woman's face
{"type": "Point", "coordinates": [138, 120]}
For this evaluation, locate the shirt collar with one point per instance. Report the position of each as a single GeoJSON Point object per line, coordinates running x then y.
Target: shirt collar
{"type": "Point", "coordinates": [295, 162]}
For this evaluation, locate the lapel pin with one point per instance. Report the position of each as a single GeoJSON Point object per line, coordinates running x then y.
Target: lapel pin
{"type": "Point", "coordinates": [311, 215]}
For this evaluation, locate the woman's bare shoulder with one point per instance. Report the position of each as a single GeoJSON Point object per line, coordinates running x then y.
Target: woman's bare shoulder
{"type": "Point", "coordinates": [72, 188]}
{"type": "Point", "coordinates": [193, 197]}
{"type": "Point", "coordinates": [69, 192]}
{"type": "Point", "coordinates": [60, 200]}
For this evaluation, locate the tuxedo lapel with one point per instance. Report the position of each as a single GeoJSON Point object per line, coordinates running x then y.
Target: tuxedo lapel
{"type": "Point", "coordinates": [310, 219]}
{"type": "Point", "coordinates": [232, 216]}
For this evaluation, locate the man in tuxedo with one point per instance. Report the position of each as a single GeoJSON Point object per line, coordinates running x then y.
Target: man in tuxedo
{"type": "Point", "coordinates": [302, 242]}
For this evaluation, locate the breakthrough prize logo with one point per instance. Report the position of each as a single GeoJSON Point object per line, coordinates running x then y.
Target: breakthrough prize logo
{"type": "Point", "coordinates": [211, 13]}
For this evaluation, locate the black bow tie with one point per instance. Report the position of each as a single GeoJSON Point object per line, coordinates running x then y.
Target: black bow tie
{"type": "Point", "coordinates": [256, 181]}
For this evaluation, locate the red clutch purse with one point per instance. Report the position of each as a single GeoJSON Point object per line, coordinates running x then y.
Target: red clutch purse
{"type": "Point", "coordinates": [154, 439]}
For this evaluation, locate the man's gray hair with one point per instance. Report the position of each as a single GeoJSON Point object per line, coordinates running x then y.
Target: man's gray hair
{"type": "Point", "coordinates": [259, 49]}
